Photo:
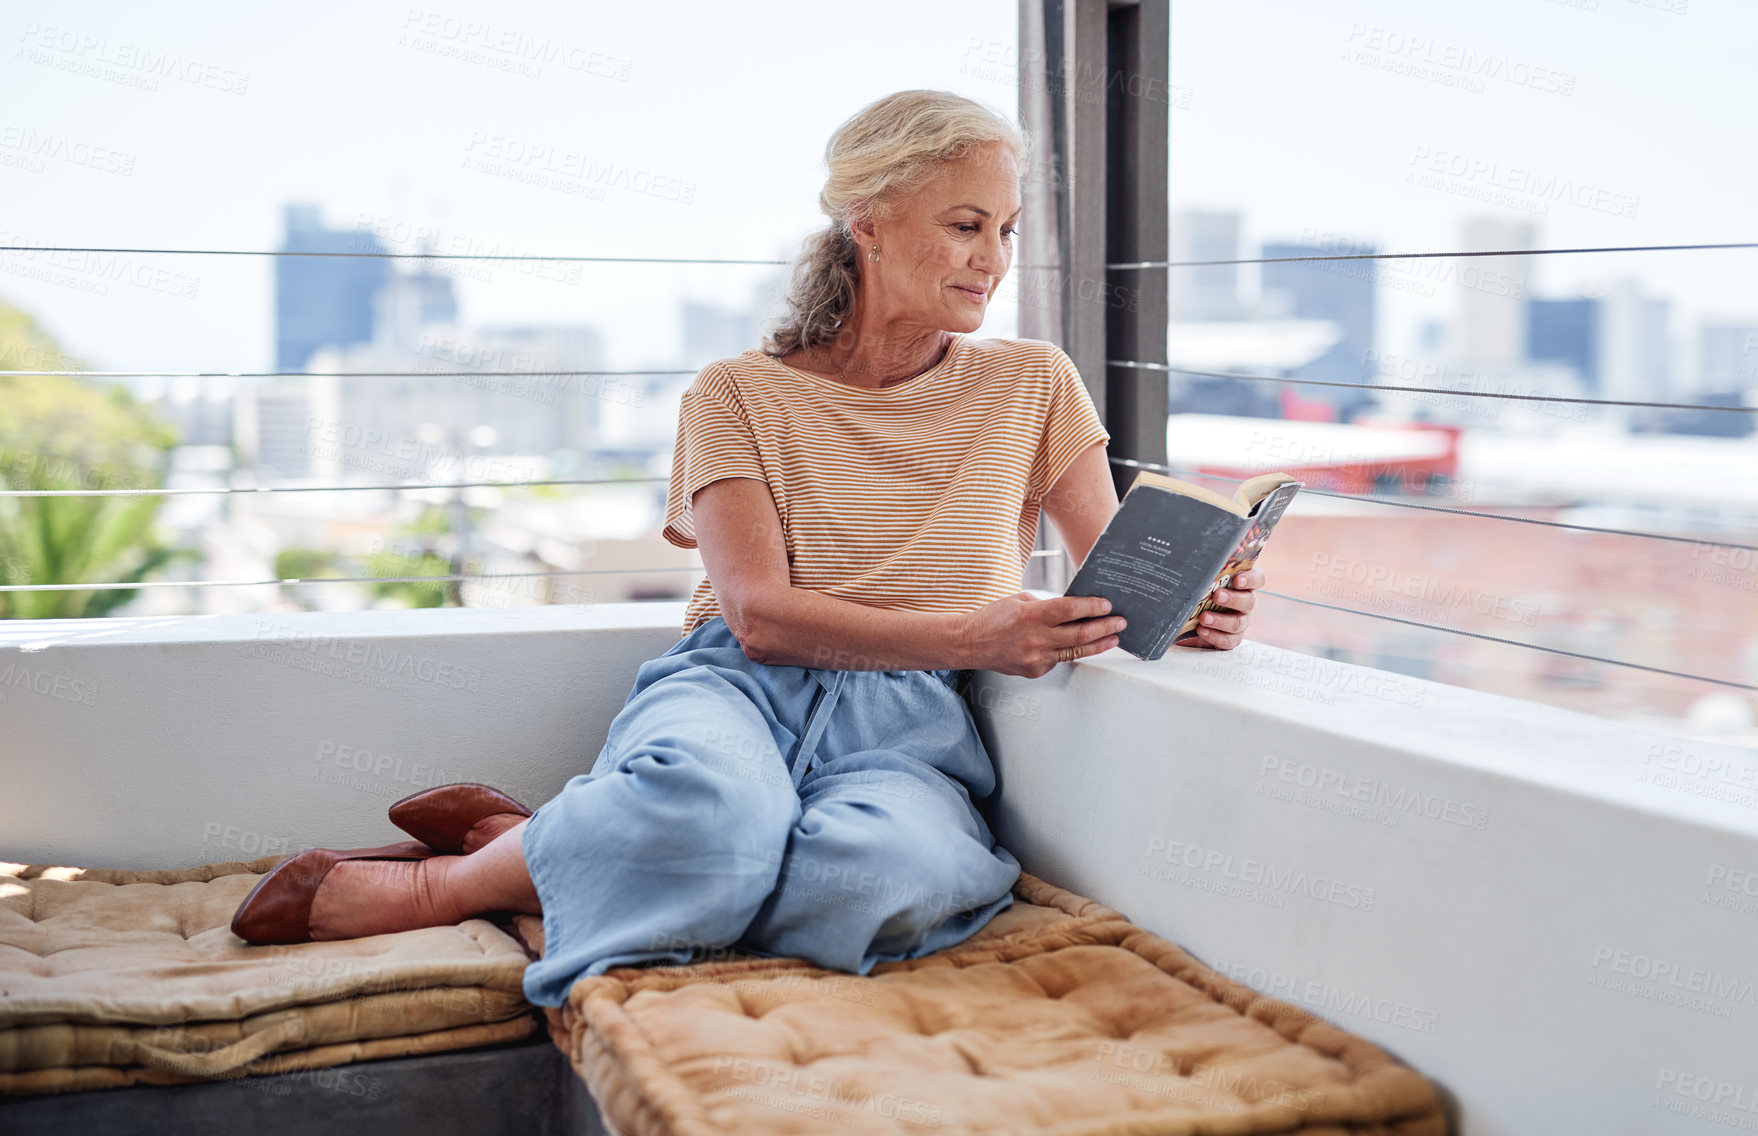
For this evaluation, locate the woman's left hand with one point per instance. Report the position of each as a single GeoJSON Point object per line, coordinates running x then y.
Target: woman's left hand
{"type": "Point", "coordinates": [1224, 628]}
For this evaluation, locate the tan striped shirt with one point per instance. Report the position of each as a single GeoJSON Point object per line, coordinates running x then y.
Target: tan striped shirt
{"type": "Point", "coordinates": [923, 495]}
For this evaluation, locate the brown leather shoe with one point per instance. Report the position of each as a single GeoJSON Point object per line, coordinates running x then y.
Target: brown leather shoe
{"type": "Point", "coordinates": [278, 908]}
{"type": "Point", "coordinates": [442, 816]}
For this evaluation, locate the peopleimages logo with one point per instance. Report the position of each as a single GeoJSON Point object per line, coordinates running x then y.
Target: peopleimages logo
{"type": "Point", "coordinates": [1333, 1001]}
{"type": "Point", "coordinates": [1667, 980]}
{"type": "Point", "coordinates": [1740, 772]}
{"type": "Point", "coordinates": [1427, 589]}
{"type": "Point", "coordinates": [1428, 58]}
{"type": "Point", "coordinates": [1712, 1091]}
{"type": "Point", "coordinates": [80, 692]}
{"type": "Point", "coordinates": [1381, 794]}
{"type": "Point", "coordinates": [363, 656]}
{"type": "Point", "coordinates": [1489, 175]}
{"type": "Point", "coordinates": [1259, 874]}
{"type": "Point", "coordinates": [1733, 879]}
{"type": "Point", "coordinates": [97, 56]}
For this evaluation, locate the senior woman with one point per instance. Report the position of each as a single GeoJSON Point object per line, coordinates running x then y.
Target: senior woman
{"type": "Point", "coordinates": [796, 775]}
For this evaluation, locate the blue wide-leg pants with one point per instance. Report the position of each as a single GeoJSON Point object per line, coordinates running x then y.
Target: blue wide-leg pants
{"type": "Point", "coordinates": [781, 810]}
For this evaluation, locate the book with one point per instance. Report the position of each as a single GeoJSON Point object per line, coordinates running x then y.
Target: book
{"type": "Point", "coordinates": [1169, 545]}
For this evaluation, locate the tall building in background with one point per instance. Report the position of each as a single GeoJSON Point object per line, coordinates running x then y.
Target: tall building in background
{"type": "Point", "coordinates": [1726, 374]}
{"type": "Point", "coordinates": [201, 410]}
{"type": "Point", "coordinates": [1565, 331]}
{"type": "Point", "coordinates": [1493, 291]}
{"type": "Point", "coordinates": [1727, 358]}
{"type": "Point", "coordinates": [323, 301]}
{"type": "Point", "coordinates": [1208, 292]}
{"type": "Point", "coordinates": [1634, 356]}
{"type": "Point", "coordinates": [406, 302]}
{"type": "Point", "coordinates": [712, 332]}
{"type": "Point", "coordinates": [270, 421]}
{"type": "Point", "coordinates": [488, 402]}
{"type": "Point", "coordinates": [1339, 291]}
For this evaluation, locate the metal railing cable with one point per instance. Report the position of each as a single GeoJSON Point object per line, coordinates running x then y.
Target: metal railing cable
{"type": "Point", "coordinates": [1121, 265]}
{"type": "Point", "coordinates": [1512, 642]}
{"type": "Point", "coordinates": [396, 255]}
{"type": "Point", "coordinates": [1430, 255]}
{"type": "Point", "coordinates": [121, 585]}
{"type": "Point", "coordinates": [197, 490]}
{"type": "Point", "coordinates": [1135, 364]}
{"type": "Point", "coordinates": [529, 374]}
{"type": "Point", "coordinates": [1393, 503]}
{"type": "Point", "coordinates": [1129, 363]}
{"type": "Point", "coordinates": [137, 584]}
{"type": "Point", "coordinates": [1169, 369]}
{"type": "Point", "coordinates": [1457, 630]}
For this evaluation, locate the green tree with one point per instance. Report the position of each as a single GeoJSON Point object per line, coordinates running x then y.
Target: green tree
{"type": "Point", "coordinates": [294, 563]}
{"type": "Point", "coordinates": [410, 552]}
{"type": "Point", "coordinates": [58, 432]}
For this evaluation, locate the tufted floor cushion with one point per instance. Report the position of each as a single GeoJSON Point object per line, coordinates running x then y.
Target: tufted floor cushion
{"type": "Point", "coordinates": [112, 977]}
{"type": "Point", "coordinates": [1061, 1017]}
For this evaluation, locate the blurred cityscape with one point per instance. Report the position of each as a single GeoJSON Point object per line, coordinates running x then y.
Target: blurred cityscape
{"type": "Point", "coordinates": [356, 338]}
{"type": "Point", "coordinates": [1689, 604]}
{"type": "Point", "coordinates": [385, 385]}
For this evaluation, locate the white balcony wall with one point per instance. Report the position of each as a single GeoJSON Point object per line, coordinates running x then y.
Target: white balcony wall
{"type": "Point", "coordinates": [162, 743]}
{"type": "Point", "coordinates": [1550, 914]}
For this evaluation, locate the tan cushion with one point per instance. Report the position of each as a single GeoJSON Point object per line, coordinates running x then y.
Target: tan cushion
{"type": "Point", "coordinates": [110, 977]}
{"type": "Point", "coordinates": [1059, 1017]}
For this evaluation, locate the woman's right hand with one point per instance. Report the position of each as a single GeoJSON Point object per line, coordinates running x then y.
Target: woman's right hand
{"type": "Point", "coordinates": [1020, 635]}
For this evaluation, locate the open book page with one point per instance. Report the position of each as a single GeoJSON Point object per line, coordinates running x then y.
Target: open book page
{"type": "Point", "coordinates": [1147, 479]}
{"type": "Point", "coordinates": [1272, 503]}
{"type": "Point", "coordinates": [1255, 489]}
{"type": "Point", "coordinates": [1245, 497]}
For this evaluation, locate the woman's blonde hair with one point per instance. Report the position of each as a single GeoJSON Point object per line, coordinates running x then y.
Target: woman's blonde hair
{"type": "Point", "coordinates": [889, 148]}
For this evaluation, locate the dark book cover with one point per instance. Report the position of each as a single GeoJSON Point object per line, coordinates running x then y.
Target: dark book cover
{"type": "Point", "coordinates": [1163, 554]}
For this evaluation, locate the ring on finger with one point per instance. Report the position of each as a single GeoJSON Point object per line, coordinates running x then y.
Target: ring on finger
{"type": "Point", "coordinates": [1069, 654]}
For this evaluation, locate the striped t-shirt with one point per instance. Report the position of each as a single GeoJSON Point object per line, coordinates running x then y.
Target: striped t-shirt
{"type": "Point", "coordinates": [923, 495]}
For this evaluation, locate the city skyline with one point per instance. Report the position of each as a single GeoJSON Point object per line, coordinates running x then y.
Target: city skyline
{"type": "Point", "coordinates": [1302, 320]}
{"type": "Point", "coordinates": [1327, 128]}
{"type": "Point", "coordinates": [440, 124]}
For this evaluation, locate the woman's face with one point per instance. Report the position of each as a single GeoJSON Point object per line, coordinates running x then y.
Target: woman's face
{"type": "Point", "coordinates": [944, 249]}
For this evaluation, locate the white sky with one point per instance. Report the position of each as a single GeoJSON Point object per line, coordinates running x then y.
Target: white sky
{"type": "Point", "coordinates": [738, 100]}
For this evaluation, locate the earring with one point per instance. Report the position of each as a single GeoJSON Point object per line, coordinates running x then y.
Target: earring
{"type": "Point", "coordinates": [874, 255]}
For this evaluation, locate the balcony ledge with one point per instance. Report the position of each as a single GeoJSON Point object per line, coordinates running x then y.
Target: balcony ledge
{"type": "Point", "coordinates": [1544, 911]}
